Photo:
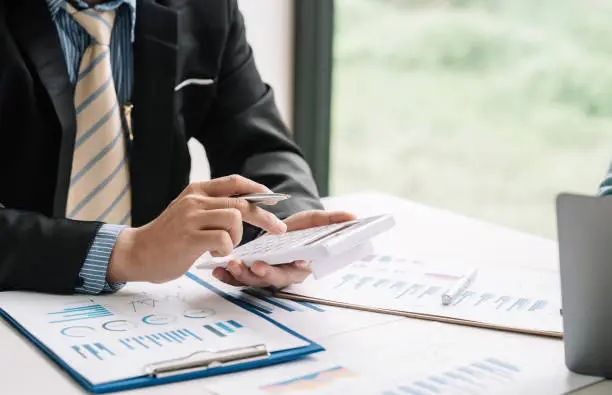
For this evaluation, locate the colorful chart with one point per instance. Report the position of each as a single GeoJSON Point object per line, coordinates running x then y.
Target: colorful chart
{"type": "Point", "coordinates": [310, 381]}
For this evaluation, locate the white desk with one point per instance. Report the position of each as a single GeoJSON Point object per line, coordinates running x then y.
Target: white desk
{"type": "Point", "coordinates": [24, 370]}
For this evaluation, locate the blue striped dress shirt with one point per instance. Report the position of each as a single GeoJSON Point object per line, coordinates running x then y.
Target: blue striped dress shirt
{"type": "Point", "coordinates": [74, 41]}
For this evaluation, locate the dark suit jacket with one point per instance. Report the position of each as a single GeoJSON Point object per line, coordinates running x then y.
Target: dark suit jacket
{"type": "Point", "coordinates": [235, 119]}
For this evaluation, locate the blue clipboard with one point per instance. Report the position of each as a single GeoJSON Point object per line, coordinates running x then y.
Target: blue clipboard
{"type": "Point", "coordinates": [275, 357]}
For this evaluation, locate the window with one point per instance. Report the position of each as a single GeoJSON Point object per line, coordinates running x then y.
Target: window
{"type": "Point", "coordinates": [484, 107]}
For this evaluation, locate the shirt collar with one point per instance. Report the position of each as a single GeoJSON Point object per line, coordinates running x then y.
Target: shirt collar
{"type": "Point", "coordinates": [56, 5]}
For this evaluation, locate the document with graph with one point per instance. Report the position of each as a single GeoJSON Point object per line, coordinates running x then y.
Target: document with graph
{"type": "Point", "coordinates": [304, 317]}
{"type": "Point", "coordinates": [520, 300]}
{"type": "Point", "coordinates": [124, 336]}
{"type": "Point", "coordinates": [414, 357]}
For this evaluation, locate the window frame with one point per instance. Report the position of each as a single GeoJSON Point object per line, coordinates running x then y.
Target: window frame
{"type": "Point", "coordinates": [313, 62]}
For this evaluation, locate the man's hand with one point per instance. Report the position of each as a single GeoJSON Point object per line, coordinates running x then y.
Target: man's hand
{"type": "Point", "coordinates": [261, 274]}
{"type": "Point", "coordinates": [203, 218]}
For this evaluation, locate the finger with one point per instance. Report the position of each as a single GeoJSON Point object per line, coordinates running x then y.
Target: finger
{"type": "Point", "coordinates": [257, 216]}
{"type": "Point", "coordinates": [250, 213]}
{"type": "Point", "coordinates": [231, 185]}
{"type": "Point", "coordinates": [310, 219]}
{"type": "Point", "coordinates": [229, 220]}
{"type": "Point", "coordinates": [218, 242]}
{"type": "Point", "coordinates": [224, 276]}
{"type": "Point", "coordinates": [281, 275]}
{"type": "Point", "coordinates": [242, 274]}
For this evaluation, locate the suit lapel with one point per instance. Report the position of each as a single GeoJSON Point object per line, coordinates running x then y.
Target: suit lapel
{"type": "Point", "coordinates": [37, 36]}
{"type": "Point", "coordinates": [154, 114]}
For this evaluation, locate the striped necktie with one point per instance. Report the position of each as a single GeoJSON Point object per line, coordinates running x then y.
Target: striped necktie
{"type": "Point", "coordinates": [99, 181]}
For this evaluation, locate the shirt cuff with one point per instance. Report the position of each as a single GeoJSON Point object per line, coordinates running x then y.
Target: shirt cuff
{"type": "Point", "coordinates": [95, 267]}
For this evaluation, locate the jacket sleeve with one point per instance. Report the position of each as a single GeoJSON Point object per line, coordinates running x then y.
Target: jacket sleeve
{"type": "Point", "coordinates": [42, 254]}
{"type": "Point", "coordinates": [244, 134]}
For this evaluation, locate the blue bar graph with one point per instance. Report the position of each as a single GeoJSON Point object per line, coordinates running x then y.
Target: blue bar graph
{"type": "Point", "coordinates": [430, 291]}
{"type": "Point", "coordinates": [126, 344]}
{"type": "Point", "coordinates": [501, 301]}
{"type": "Point", "coordinates": [273, 301]}
{"type": "Point", "coordinates": [311, 306]}
{"type": "Point", "coordinates": [159, 339]}
{"type": "Point", "coordinates": [79, 313]}
{"type": "Point", "coordinates": [409, 390]}
{"type": "Point", "coordinates": [519, 304]}
{"type": "Point", "coordinates": [363, 281]}
{"type": "Point", "coordinates": [538, 305]}
{"type": "Point", "coordinates": [473, 378]}
{"type": "Point", "coordinates": [190, 333]}
{"type": "Point", "coordinates": [235, 324]}
{"type": "Point", "coordinates": [411, 290]}
{"type": "Point", "coordinates": [268, 305]}
{"type": "Point", "coordinates": [504, 365]}
{"type": "Point", "coordinates": [252, 302]}
{"type": "Point", "coordinates": [224, 328]}
{"type": "Point", "coordinates": [484, 298]}
{"type": "Point", "coordinates": [215, 331]}
{"type": "Point", "coordinates": [380, 283]}
{"type": "Point", "coordinates": [102, 347]}
{"type": "Point", "coordinates": [78, 351]}
{"type": "Point", "coordinates": [463, 297]}
{"type": "Point", "coordinates": [96, 350]}
{"type": "Point", "coordinates": [427, 386]}
{"type": "Point", "coordinates": [346, 279]}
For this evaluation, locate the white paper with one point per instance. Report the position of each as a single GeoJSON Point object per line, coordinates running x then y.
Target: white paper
{"type": "Point", "coordinates": [516, 298]}
{"type": "Point", "coordinates": [420, 358]}
{"type": "Point", "coordinates": [314, 321]}
{"type": "Point", "coordinates": [112, 337]}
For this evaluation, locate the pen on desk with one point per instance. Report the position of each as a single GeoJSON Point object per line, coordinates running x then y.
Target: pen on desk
{"type": "Point", "coordinates": [461, 285]}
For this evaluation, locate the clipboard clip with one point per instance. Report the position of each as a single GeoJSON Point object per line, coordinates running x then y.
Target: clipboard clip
{"type": "Point", "coordinates": [203, 360]}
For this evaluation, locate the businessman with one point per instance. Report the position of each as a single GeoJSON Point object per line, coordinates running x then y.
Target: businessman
{"type": "Point", "coordinates": [97, 102]}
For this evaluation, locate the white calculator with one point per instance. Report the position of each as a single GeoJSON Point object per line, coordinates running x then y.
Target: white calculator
{"type": "Point", "coordinates": [307, 245]}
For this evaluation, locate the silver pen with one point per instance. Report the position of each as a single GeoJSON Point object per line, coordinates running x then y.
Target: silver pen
{"type": "Point", "coordinates": [263, 198]}
{"type": "Point", "coordinates": [461, 285]}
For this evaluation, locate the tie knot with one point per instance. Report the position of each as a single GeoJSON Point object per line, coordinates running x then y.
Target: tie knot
{"type": "Point", "coordinates": [99, 24]}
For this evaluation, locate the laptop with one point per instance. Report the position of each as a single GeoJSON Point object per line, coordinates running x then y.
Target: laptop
{"type": "Point", "coordinates": [584, 226]}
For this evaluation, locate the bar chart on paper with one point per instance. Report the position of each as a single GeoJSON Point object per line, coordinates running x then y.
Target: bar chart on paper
{"type": "Point", "coordinates": [94, 350]}
{"type": "Point", "coordinates": [160, 339]}
{"type": "Point", "coordinates": [517, 299]}
{"type": "Point", "coordinates": [259, 301]}
{"type": "Point", "coordinates": [78, 313]}
{"type": "Point", "coordinates": [299, 315]}
{"type": "Point", "coordinates": [482, 377]}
